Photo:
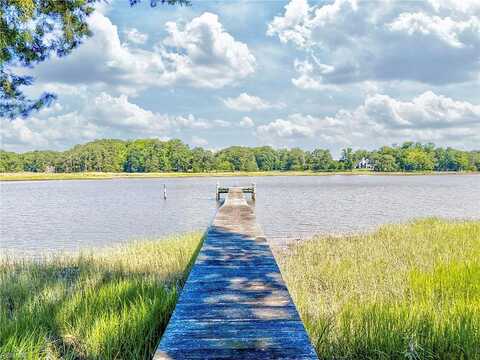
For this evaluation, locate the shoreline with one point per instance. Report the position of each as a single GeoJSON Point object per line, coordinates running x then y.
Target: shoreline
{"type": "Point", "coordinates": [95, 298]}
{"type": "Point", "coordinates": [32, 176]}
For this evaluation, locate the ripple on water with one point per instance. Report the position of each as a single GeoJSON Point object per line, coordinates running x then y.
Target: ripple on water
{"type": "Point", "coordinates": [55, 216]}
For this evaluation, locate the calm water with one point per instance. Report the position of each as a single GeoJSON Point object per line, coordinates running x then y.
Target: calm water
{"type": "Point", "coordinates": [67, 215]}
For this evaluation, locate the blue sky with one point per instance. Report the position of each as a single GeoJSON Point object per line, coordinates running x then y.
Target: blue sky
{"type": "Point", "coordinates": [300, 73]}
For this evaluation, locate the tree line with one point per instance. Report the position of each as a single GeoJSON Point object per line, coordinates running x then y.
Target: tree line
{"type": "Point", "coordinates": [152, 155]}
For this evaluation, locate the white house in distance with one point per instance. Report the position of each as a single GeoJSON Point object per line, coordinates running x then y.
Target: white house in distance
{"type": "Point", "coordinates": [364, 164]}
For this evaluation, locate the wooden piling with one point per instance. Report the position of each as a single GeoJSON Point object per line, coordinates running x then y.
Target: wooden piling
{"type": "Point", "coordinates": [235, 303]}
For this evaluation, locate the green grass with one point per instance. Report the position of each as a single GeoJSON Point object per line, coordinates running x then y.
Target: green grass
{"type": "Point", "coordinates": [30, 176]}
{"type": "Point", "coordinates": [111, 304]}
{"type": "Point", "coordinates": [407, 291]}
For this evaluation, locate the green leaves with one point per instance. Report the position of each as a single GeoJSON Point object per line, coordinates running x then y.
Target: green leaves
{"type": "Point", "coordinates": [29, 34]}
{"type": "Point", "coordinates": [153, 155]}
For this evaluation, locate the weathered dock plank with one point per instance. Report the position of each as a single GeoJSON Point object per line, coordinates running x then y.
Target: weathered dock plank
{"type": "Point", "coordinates": [235, 303]}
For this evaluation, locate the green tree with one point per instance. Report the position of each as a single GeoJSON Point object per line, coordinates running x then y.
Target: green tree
{"type": "Point", "coordinates": [295, 160]}
{"type": "Point", "coordinates": [156, 156]}
{"type": "Point", "coordinates": [474, 160]}
{"type": "Point", "coordinates": [39, 161]}
{"type": "Point", "coordinates": [224, 165]}
{"type": "Point", "coordinates": [347, 158]}
{"type": "Point", "coordinates": [452, 160]}
{"type": "Point", "coordinates": [202, 160]}
{"type": "Point", "coordinates": [105, 155]}
{"type": "Point", "coordinates": [180, 155]}
{"type": "Point", "coordinates": [135, 156]}
{"type": "Point", "coordinates": [30, 32]}
{"type": "Point", "coordinates": [417, 159]}
{"type": "Point", "coordinates": [282, 159]}
{"type": "Point", "coordinates": [10, 162]}
{"type": "Point", "coordinates": [384, 162]}
{"type": "Point", "coordinates": [320, 160]}
{"type": "Point", "coordinates": [360, 154]}
{"type": "Point", "coordinates": [241, 158]}
{"type": "Point", "coordinates": [151, 155]}
{"type": "Point", "coordinates": [266, 158]}
{"type": "Point", "coordinates": [462, 161]}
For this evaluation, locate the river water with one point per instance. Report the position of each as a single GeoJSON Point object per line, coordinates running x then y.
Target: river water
{"type": "Point", "coordinates": [58, 216]}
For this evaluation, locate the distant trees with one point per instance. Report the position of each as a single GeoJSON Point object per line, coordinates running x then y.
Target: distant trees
{"type": "Point", "coordinates": [267, 158]}
{"type": "Point", "coordinates": [202, 160]}
{"type": "Point", "coordinates": [292, 160]}
{"type": "Point", "coordinates": [100, 155]}
{"type": "Point", "coordinates": [474, 160]}
{"type": "Point", "coordinates": [179, 155]}
{"type": "Point", "coordinates": [422, 157]}
{"type": "Point", "coordinates": [240, 158]}
{"type": "Point", "coordinates": [321, 160]}
{"type": "Point", "coordinates": [417, 157]}
{"type": "Point", "coordinates": [39, 161]}
{"type": "Point", "coordinates": [384, 162]}
{"type": "Point", "coordinates": [348, 159]}
{"type": "Point", "coordinates": [153, 155]}
{"type": "Point", "coordinates": [10, 162]}
{"type": "Point", "coordinates": [360, 154]}
{"type": "Point", "coordinates": [453, 160]}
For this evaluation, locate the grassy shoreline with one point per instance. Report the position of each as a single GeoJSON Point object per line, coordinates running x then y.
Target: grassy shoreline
{"type": "Point", "coordinates": [405, 291]}
{"type": "Point", "coordinates": [108, 304]}
{"type": "Point", "coordinates": [31, 176]}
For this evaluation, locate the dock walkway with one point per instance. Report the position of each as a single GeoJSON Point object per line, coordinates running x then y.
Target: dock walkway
{"type": "Point", "coordinates": [235, 303]}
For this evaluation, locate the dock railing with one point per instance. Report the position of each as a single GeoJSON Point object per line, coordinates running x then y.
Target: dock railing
{"type": "Point", "coordinates": [252, 189]}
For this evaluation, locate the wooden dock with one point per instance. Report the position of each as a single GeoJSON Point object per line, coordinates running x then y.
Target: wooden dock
{"type": "Point", "coordinates": [235, 303]}
{"type": "Point", "coordinates": [246, 190]}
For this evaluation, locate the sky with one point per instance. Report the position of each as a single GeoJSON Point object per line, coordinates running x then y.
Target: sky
{"type": "Point", "coordinates": [298, 73]}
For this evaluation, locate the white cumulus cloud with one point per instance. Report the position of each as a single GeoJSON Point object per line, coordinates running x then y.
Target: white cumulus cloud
{"type": "Point", "coordinates": [213, 58]}
{"type": "Point", "coordinates": [199, 54]}
{"type": "Point", "coordinates": [134, 36]}
{"type": "Point", "coordinates": [463, 6]}
{"type": "Point", "coordinates": [247, 122]}
{"type": "Point", "coordinates": [295, 126]}
{"type": "Point", "coordinates": [348, 41]}
{"type": "Point", "coordinates": [97, 116]}
{"type": "Point", "coordinates": [453, 33]}
{"type": "Point", "coordinates": [246, 102]}
{"type": "Point", "coordinates": [382, 120]}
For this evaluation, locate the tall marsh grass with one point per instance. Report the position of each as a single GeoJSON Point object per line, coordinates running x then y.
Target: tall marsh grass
{"type": "Point", "coordinates": [407, 291]}
{"type": "Point", "coordinates": [112, 304]}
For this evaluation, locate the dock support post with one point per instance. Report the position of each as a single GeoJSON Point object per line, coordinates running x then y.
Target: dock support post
{"type": "Point", "coordinates": [254, 191]}
{"type": "Point", "coordinates": [164, 192]}
{"type": "Point", "coordinates": [218, 193]}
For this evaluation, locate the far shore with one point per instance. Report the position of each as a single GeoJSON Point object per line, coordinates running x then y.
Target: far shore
{"type": "Point", "coordinates": [33, 176]}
